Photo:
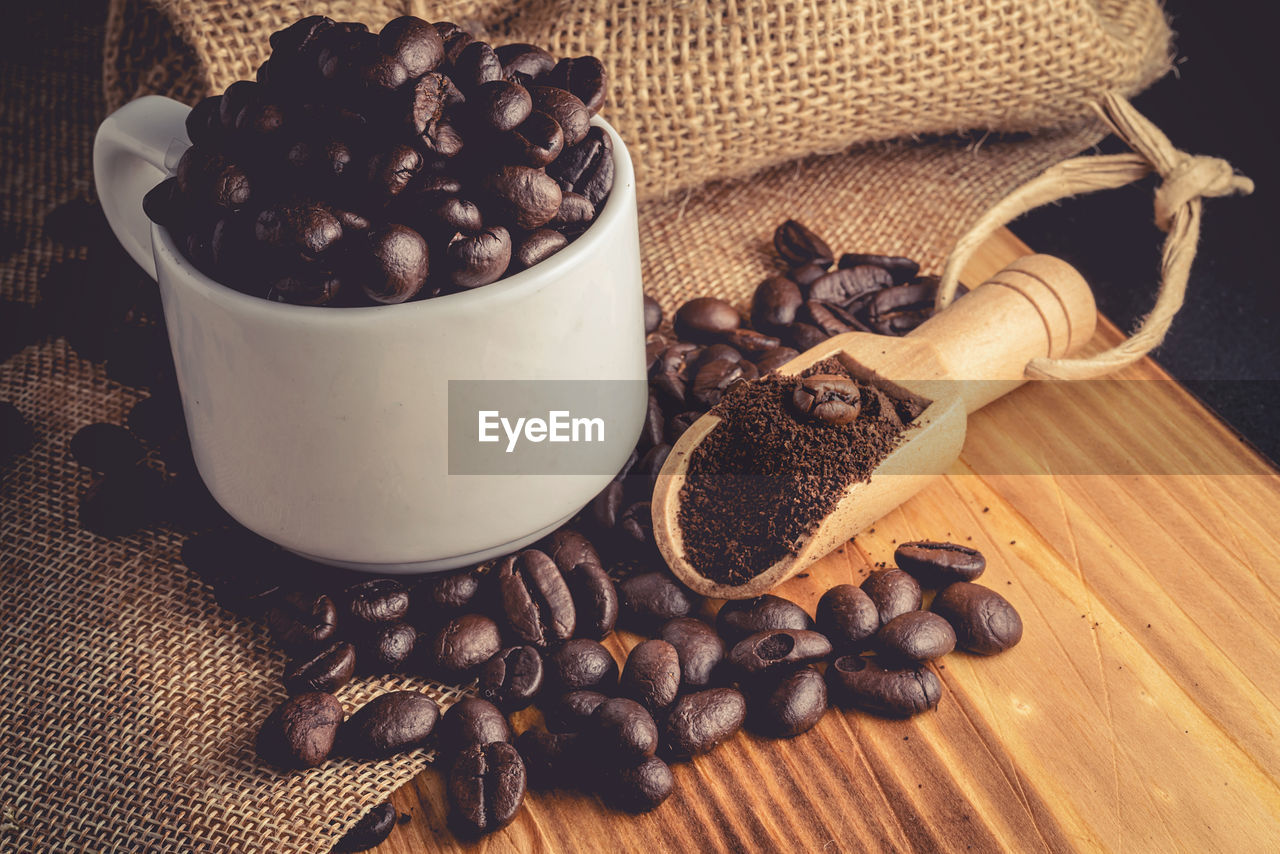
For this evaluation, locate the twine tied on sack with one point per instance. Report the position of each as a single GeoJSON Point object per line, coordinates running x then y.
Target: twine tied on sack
{"type": "Point", "coordinates": [1185, 180]}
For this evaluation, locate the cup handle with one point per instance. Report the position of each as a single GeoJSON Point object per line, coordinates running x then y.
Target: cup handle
{"type": "Point", "coordinates": [136, 147]}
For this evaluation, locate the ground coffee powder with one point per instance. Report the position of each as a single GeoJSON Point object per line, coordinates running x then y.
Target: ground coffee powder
{"type": "Point", "coordinates": [762, 480]}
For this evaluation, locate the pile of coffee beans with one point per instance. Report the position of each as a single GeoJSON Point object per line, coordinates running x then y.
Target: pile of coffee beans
{"type": "Point", "coordinates": [526, 630]}
{"type": "Point", "coordinates": [363, 168]}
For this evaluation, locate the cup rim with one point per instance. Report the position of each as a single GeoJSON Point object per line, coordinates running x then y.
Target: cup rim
{"type": "Point", "coordinates": [621, 197]}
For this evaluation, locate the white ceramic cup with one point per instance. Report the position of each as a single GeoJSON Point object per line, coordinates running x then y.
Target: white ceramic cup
{"type": "Point", "coordinates": [325, 429]}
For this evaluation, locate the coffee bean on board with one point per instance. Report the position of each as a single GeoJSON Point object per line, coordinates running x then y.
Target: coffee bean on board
{"type": "Point", "coordinates": [650, 599]}
{"type": "Point", "coordinates": [370, 831]}
{"type": "Point", "coordinates": [639, 787]}
{"type": "Point", "coordinates": [698, 647]}
{"type": "Point", "coordinates": [581, 663]}
{"type": "Point", "coordinates": [857, 682]}
{"type": "Point", "coordinates": [512, 678]}
{"type": "Point", "coordinates": [621, 729]}
{"type": "Point", "coordinates": [777, 648]}
{"type": "Point", "coordinates": [915, 637]}
{"type": "Point", "coordinates": [701, 720]}
{"type": "Point", "coordinates": [652, 674]}
{"type": "Point", "coordinates": [536, 603]}
{"type": "Point", "coordinates": [572, 710]}
{"type": "Point", "coordinates": [848, 617]}
{"type": "Point", "coordinates": [486, 788]}
{"type": "Point", "coordinates": [789, 702]}
{"type": "Point", "coordinates": [939, 564]}
{"type": "Point", "coordinates": [893, 591]}
{"type": "Point", "coordinates": [984, 621]}
{"type": "Point", "coordinates": [471, 721]}
{"type": "Point", "coordinates": [738, 618]}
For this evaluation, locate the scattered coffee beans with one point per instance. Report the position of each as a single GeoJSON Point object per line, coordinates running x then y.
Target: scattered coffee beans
{"type": "Point", "coordinates": [701, 720]}
{"type": "Point", "coordinates": [847, 617]}
{"type": "Point", "coordinates": [984, 621]}
{"type": "Point", "coordinates": [939, 564]}
{"type": "Point", "coordinates": [638, 788]}
{"type": "Point", "coordinates": [472, 722]}
{"type": "Point", "coordinates": [699, 649]}
{"type": "Point", "coordinates": [581, 663]}
{"type": "Point", "coordinates": [893, 591]}
{"type": "Point", "coordinates": [777, 648]}
{"type": "Point", "coordinates": [652, 598]}
{"type": "Point", "coordinates": [512, 678]}
{"type": "Point", "coordinates": [860, 683]}
{"type": "Point", "coordinates": [486, 788]}
{"type": "Point", "coordinates": [789, 702]}
{"type": "Point", "coordinates": [301, 732]}
{"type": "Point", "coordinates": [915, 637]}
{"type": "Point", "coordinates": [535, 599]}
{"type": "Point", "coordinates": [622, 729]}
{"type": "Point", "coordinates": [572, 711]}
{"type": "Point", "coordinates": [370, 831]}
{"type": "Point", "coordinates": [390, 723]}
{"type": "Point", "coordinates": [738, 618]}
{"type": "Point", "coordinates": [652, 675]}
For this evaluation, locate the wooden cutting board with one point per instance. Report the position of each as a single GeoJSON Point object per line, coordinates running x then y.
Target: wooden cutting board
{"type": "Point", "coordinates": [1141, 712]}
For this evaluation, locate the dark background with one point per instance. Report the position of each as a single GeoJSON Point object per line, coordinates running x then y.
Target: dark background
{"type": "Point", "coordinates": [1220, 100]}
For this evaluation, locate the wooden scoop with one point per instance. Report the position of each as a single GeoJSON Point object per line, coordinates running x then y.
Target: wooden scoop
{"type": "Point", "coordinates": [1037, 306]}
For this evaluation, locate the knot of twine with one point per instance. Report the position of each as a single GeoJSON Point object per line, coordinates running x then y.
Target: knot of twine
{"type": "Point", "coordinates": [1185, 180]}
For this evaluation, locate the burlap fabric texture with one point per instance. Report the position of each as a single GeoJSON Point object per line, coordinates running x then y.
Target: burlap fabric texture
{"type": "Point", "coordinates": [130, 699]}
{"type": "Point", "coordinates": [706, 91]}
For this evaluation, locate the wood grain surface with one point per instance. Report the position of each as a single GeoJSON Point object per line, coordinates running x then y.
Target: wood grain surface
{"type": "Point", "coordinates": [1140, 540]}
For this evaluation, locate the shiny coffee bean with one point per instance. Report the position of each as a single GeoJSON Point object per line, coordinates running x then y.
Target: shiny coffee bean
{"type": "Point", "coordinates": [652, 598]}
{"type": "Point", "coordinates": [427, 103]}
{"type": "Point", "coordinates": [621, 729]}
{"type": "Point", "coordinates": [553, 760]}
{"type": "Point", "coordinates": [500, 105]}
{"type": "Point", "coordinates": [775, 303]}
{"type": "Point", "coordinates": [389, 724]}
{"type": "Point", "coordinates": [412, 42]}
{"type": "Point", "coordinates": [527, 59]}
{"type": "Point", "coordinates": [370, 831]}
{"type": "Point", "coordinates": [807, 274]}
{"type": "Point", "coordinates": [738, 618]}
{"type": "Point", "coordinates": [476, 64]}
{"type": "Point", "coordinates": [705, 319]}
{"type": "Point", "coordinates": [442, 138]}
{"type": "Point", "coordinates": [586, 168]}
{"type": "Point", "coordinates": [819, 314]}
{"type": "Point", "coordinates": [803, 336]}
{"type": "Point", "coordinates": [390, 171]}
{"type": "Point", "coordinates": [652, 314]}
{"type": "Point", "coordinates": [486, 788]}
{"type": "Point", "coordinates": [777, 648]}
{"type": "Point", "coordinates": [386, 647]}
{"type": "Point", "coordinates": [471, 722]}
{"type": "Point", "coordinates": [301, 731]}
{"type": "Point", "coordinates": [209, 178]}
{"type": "Point", "coordinates": [848, 618]}
{"type": "Point", "coordinates": [106, 448]}
{"type": "Point", "coordinates": [445, 593]}
{"type": "Point", "coordinates": [479, 259]}
{"type": "Point", "coordinates": [379, 600]}
{"type": "Point", "coordinates": [595, 598]}
{"type": "Point", "coordinates": [397, 267]}
{"type": "Point", "coordinates": [712, 380]}
{"type": "Point", "coordinates": [539, 245]}
{"type": "Point", "coordinates": [673, 373]}
{"type": "Point", "coordinates": [462, 645]}
{"type": "Point", "coordinates": [536, 603]}
{"type": "Point", "coordinates": [576, 212]}
{"type": "Point", "coordinates": [581, 663]}
{"type": "Point", "coordinates": [699, 649]}
{"type": "Point", "coordinates": [584, 76]}
{"type": "Point", "coordinates": [798, 245]}
{"type": "Point", "coordinates": [939, 564]}
{"type": "Point", "coordinates": [639, 787]}
{"type": "Point", "coordinates": [842, 287]}
{"type": "Point", "coordinates": [701, 720]}
{"type": "Point", "coordinates": [651, 675]}
{"type": "Point", "coordinates": [901, 269]}
{"type": "Point", "coordinates": [327, 670]}
{"type": "Point", "coordinates": [525, 196]}
{"type": "Point", "coordinates": [893, 591]}
{"type": "Point", "coordinates": [828, 398]}
{"type": "Point", "coordinates": [572, 711]}
{"type": "Point", "coordinates": [859, 683]}
{"type": "Point", "coordinates": [914, 637]}
{"type": "Point", "coordinates": [297, 230]}
{"type": "Point", "coordinates": [536, 142]}
{"type": "Point", "coordinates": [775, 358]}
{"type": "Point", "coordinates": [984, 621]}
{"type": "Point", "coordinates": [789, 703]}
{"type": "Point", "coordinates": [751, 343]}
{"type": "Point", "coordinates": [455, 39]}
{"type": "Point", "coordinates": [566, 109]}
{"type": "Point", "coordinates": [452, 214]}
{"type": "Point", "coordinates": [305, 287]}
{"type": "Point", "coordinates": [512, 678]}
{"type": "Point", "coordinates": [300, 622]}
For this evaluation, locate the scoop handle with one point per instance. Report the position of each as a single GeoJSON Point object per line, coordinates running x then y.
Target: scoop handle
{"type": "Point", "coordinates": [1037, 306]}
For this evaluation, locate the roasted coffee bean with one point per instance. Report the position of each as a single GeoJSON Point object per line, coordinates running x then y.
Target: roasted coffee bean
{"type": "Point", "coordinates": [455, 39]}
{"type": "Point", "coordinates": [390, 171]}
{"type": "Point", "coordinates": [442, 138]}
{"type": "Point", "coordinates": [821, 315]}
{"type": "Point", "coordinates": [789, 703]}
{"type": "Point", "coordinates": [914, 297]}
{"type": "Point", "coordinates": [803, 336]}
{"type": "Point", "coordinates": [829, 398]}
{"type": "Point", "coordinates": [677, 425]}
{"type": "Point", "coordinates": [705, 319]}
{"type": "Point", "coordinates": [165, 206]}
{"type": "Point", "coordinates": [486, 788]}
{"type": "Point", "coordinates": [552, 760]}
{"type": "Point", "coordinates": [527, 59]}
{"type": "Point", "coordinates": [984, 621]}
{"type": "Point", "coordinates": [777, 648]}
{"type": "Point", "coordinates": [386, 647]}
{"type": "Point", "coordinates": [893, 591]}
{"type": "Point", "coordinates": [370, 831]}
{"type": "Point", "coordinates": [699, 649]}
{"type": "Point", "coordinates": [427, 103]}
{"type": "Point", "coordinates": [712, 380]}
{"type": "Point", "coordinates": [843, 286]}
{"type": "Point", "coordinates": [300, 621]}
{"type": "Point", "coordinates": [576, 212]}
{"type": "Point", "coordinates": [209, 178]}
{"type": "Point", "coordinates": [848, 617]}
{"type": "Point", "coordinates": [638, 788]}
{"type": "Point", "coordinates": [738, 618]}
{"type": "Point", "coordinates": [586, 168]}
{"type": "Point", "coordinates": [452, 214]}
{"type": "Point", "coordinates": [500, 105]}
{"type": "Point", "coordinates": [476, 64]}
{"type": "Point", "coordinates": [900, 322]}
{"type": "Point", "coordinates": [570, 549]}
{"type": "Point", "coordinates": [479, 259]}
{"type": "Point", "coordinates": [652, 314]}
{"type": "Point", "coordinates": [595, 597]}
{"type": "Point", "coordinates": [655, 424]}
{"type": "Point", "coordinates": [297, 230]}
{"type": "Point", "coordinates": [412, 42]}
{"type": "Point", "coordinates": [512, 678]}
{"type": "Point", "coordinates": [106, 448]}
{"type": "Point", "coordinates": [390, 723]}
{"type": "Point", "coordinates": [915, 637]}
{"type": "Point", "coordinates": [901, 269]}
{"type": "Point", "coordinates": [536, 603]}
{"type": "Point", "coordinates": [327, 670]}
{"type": "Point", "coordinates": [939, 564]}
{"type": "Point", "coordinates": [621, 729]}
{"type": "Point", "coordinates": [301, 731]}
{"type": "Point", "coordinates": [581, 663]}
{"type": "Point", "coordinates": [204, 123]}
{"type": "Point", "coordinates": [446, 593]}
{"type": "Point", "coordinates": [572, 710]}
{"type": "Point", "coordinates": [607, 506]}
{"type": "Point", "coordinates": [857, 682]}
{"type": "Point", "coordinates": [462, 645]}
{"type": "Point", "coordinates": [567, 109]}
{"type": "Point", "coordinates": [380, 71]}
{"type": "Point", "coordinates": [652, 598]}
{"type": "Point", "coordinates": [397, 267]}
{"type": "Point", "coordinates": [379, 600]}
{"type": "Point", "coordinates": [753, 344]}
{"type": "Point", "coordinates": [636, 523]}
{"type": "Point", "coordinates": [471, 722]}
{"type": "Point", "coordinates": [775, 358]}
{"type": "Point", "coordinates": [798, 245]}
{"type": "Point", "coordinates": [843, 316]}
{"type": "Point", "coordinates": [539, 245]}
{"type": "Point", "coordinates": [536, 142]}
{"type": "Point", "coordinates": [807, 274]}
{"type": "Point", "coordinates": [305, 287]}
{"type": "Point", "coordinates": [523, 195]}
{"type": "Point", "coordinates": [651, 675]}
{"type": "Point", "coordinates": [700, 721]}
{"type": "Point", "coordinates": [672, 373]}
{"type": "Point", "coordinates": [584, 76]}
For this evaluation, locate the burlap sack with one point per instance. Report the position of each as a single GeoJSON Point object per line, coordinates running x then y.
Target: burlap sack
{"type": "Point", "coordinates": [705, 91]}
{"type": "Point", "coordinates": [129, 699]}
